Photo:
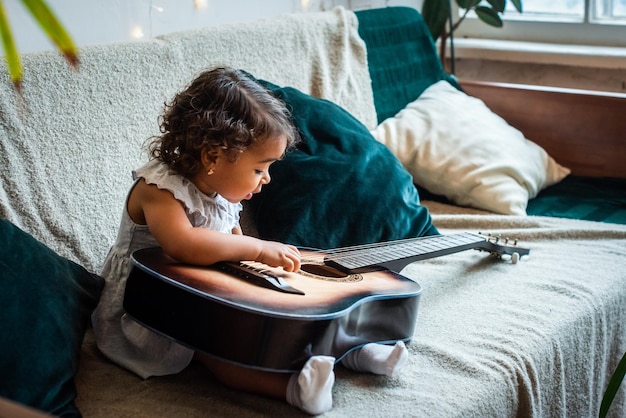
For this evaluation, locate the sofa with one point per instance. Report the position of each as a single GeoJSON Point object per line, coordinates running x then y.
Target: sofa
{"type": "Point", "coordinates": [393, 148]}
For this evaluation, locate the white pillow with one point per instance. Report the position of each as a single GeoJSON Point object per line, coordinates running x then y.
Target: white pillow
{"type": "Point", "coordinates": [453, 145]}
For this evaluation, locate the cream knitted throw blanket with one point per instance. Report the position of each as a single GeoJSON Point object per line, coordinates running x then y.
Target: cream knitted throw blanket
{"type": "Point", "coordinates": [67, 150]}
{"type": "Point", "coordinates": [493, 339]}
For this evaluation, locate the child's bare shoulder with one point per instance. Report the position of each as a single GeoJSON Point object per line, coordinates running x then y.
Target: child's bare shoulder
{"type": "Point", "coordinates": [143, 195]}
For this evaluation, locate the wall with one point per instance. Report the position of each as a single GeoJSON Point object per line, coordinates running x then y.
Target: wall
{"type": "Point", "coordinates": [572, 66]}
{"type": "Point", "coordinates": [558, 75]}
{"type": "Point", "coordinates": [104, 21]}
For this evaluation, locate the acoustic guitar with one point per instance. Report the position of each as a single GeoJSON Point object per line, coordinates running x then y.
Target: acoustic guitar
{"type": "Point", "coordinates": [265, 318]}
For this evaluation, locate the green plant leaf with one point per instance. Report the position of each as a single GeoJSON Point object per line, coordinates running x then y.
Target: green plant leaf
{"type": "Point", "coordinates": [435, 14]}
{"type": "Point", "coordinates": [489, 16]}
{"type": "Point", "coordinates": [54, 29]}
{"type": "Point", "coordinates": [613, 386]}
{"type": "Point", "coordinates": [517, 4]}
{"type": "Point", "coordinates": [10, 51]}
{"type": "Point", "coordinates": [497, 5]}
{"type": "Point", "coordinates": [467, 4]}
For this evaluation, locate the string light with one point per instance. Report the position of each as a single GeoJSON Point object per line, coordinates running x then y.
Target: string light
{"type": "Point", "coordinates": [136, 32]}
{"type": "Point", "coordinates": [305, 4]}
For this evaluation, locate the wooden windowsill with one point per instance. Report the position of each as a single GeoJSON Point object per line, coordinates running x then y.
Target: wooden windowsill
{"type": "Point", "coordinates": [541, 53]}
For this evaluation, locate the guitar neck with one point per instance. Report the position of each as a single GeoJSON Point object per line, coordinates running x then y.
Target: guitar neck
{"type": "Point", "coordinates": [396, 255]}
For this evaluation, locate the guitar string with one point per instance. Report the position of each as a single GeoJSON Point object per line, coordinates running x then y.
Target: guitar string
{"type": "Point", "coordinates": [344, 253]}
{"type": "Point", "coordinates": [377, 245]}
{"type": "Point", "coordinates": [347, 255]}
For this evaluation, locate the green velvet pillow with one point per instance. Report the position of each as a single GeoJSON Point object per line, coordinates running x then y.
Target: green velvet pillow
{"type": "Point", "coordinates": [395, 35]}
{"type": "Point", "coordinates": [45, 301]}
{"type": "Point", "coordinates": [340, 187]}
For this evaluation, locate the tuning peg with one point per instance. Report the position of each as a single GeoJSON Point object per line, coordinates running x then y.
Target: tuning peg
{"type": "Point", "coordinates": [514, 258]}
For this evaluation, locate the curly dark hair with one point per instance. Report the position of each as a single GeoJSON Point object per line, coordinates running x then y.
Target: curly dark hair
{"type": "Point", "coordinates": [222, 108]}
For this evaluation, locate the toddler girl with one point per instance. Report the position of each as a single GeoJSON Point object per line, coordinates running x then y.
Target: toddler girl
{"type": "Point", "coordinates": [219, 137]}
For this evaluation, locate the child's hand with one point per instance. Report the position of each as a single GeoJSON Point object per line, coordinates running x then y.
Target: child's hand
{"type": "Point", "coordinates": [276, 254]}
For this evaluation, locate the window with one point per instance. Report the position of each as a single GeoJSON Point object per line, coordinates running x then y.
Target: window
{"type": "Point", "coordinates": [582, 22]}
{"type": "Point", "coordinates": [610, 11]}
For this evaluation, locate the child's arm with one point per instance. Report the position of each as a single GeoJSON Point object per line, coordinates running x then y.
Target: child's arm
{"type": "Point", "coordinates": [168, 223]}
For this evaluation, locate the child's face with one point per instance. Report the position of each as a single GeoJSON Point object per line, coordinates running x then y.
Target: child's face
{"type": "Point", "coordinates": [240, 179]}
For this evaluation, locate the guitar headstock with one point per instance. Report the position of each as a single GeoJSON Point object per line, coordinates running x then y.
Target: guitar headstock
{"type": "Point", "coordinates": [503, 247]}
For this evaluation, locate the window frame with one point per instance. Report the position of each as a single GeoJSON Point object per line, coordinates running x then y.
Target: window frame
{"type": "Point", "coordinates": [589, 32]}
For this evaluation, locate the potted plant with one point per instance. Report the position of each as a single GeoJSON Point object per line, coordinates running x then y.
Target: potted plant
{"type": "Point", "coordinates": [437, 13]}
{"type": "Point", "coordinates": [49, 23]}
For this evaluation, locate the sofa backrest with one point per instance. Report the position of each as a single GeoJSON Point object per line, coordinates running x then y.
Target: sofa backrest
{"type": "Point", "coordinates": [402, 57]}
{"type": "Point", "coordinates": [68, 146]}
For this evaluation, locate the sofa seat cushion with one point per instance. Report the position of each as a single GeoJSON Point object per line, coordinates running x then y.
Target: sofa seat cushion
{"type": "Point", "coordinates": [339, 187]}
{"type": "Point", "coordinates": [600, 199]}
{"type": "Point", "coordinates": [46, 303]}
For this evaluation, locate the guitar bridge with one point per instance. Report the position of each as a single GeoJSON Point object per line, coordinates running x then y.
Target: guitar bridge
{"type": "Point", "coordinates": [257, 276]}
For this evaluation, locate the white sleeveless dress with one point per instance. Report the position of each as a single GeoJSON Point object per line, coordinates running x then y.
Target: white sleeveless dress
{"type": "Point", "coordinates": [120, 338]}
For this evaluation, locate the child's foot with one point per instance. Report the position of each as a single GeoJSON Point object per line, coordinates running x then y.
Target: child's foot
{"type": "Point", "coordinates": [383, 359]}
{"type": "Point", "coordinates": [311, 389]}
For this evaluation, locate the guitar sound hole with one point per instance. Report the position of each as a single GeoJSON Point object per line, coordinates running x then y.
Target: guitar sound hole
{"type": "Point", "coordinates": [324, 272]}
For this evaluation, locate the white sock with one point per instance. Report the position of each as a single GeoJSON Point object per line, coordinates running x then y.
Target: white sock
{"type": "Point", "coordinates": [383, 359]}
{"type": "Point", "coordinates": [311, 389]}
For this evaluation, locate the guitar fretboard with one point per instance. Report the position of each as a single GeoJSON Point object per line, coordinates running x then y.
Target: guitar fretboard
{"type": "Point", "coordinates": [404, 251]}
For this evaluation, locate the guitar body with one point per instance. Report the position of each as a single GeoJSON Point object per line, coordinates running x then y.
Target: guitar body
{"type": "Point", "coordinates": [239, 321]}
